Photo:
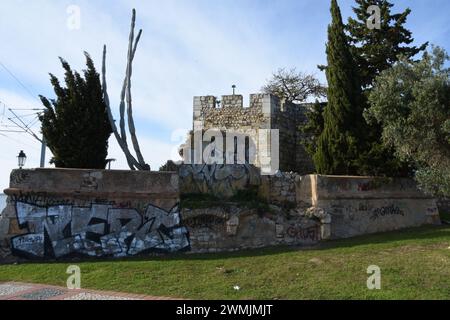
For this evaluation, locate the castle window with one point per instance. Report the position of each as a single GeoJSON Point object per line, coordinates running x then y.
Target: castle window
{"type": "Point", "coordinates": [235, 150]}
{"type": "Point", "coordinates": [213, 152]}
{"type": "Point", "coordinates": [247, 150]}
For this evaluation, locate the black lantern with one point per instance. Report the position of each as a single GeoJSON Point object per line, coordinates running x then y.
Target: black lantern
{"type": "Point", "coordinates": [21, 158]}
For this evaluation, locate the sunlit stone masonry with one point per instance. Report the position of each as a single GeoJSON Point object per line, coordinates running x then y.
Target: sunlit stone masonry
{"type": "Point", "coordinates": [63, 213]}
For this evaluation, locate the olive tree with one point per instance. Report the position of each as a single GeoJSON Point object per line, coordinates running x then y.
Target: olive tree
{"type": "Point", "coordinates": [294, 86]}
{"type": "Point", "coordinates": [411, 101]}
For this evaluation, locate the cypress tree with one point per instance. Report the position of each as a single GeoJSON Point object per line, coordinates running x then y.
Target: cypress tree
{"type": "Point", "coordinates": [341, 140]}
{"type": "Point", "coordinates": [75, 125]}
{"type": "Point", "coordinates": [313, 128]}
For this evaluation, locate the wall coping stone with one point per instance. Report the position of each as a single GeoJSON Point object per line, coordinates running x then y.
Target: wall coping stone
{"type": "Point", "coordinates": [315, 188]}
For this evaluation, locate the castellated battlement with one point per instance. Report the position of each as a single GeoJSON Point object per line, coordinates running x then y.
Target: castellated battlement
{"type": "Point", "coordinates": [264, 111]}
{"type": "Point", "coordinates": [229, 112]}
{"type": "Point", "coordinates": [257, 100]}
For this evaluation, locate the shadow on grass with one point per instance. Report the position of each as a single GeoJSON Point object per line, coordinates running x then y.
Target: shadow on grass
{"type": "Point", "coordinates": [421, 233]}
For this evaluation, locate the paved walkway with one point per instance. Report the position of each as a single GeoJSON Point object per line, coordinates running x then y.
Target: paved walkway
{"type": "Point", "coordinates": [27, 291]}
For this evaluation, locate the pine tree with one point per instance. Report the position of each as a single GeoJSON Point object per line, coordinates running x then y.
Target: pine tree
{"type": "Point", "coordinates": [75, 125]}
{"type": "Point", "coordinates": [376, 50]}
{"type": "Point", "coordinates": [341, 140]}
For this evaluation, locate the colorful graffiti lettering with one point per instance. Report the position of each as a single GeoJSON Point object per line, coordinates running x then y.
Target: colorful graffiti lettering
{"type": "Point", "coordinates": [99, 230]}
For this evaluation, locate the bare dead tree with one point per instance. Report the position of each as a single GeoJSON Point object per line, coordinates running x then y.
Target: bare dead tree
{"type": "Point", "coordinates": [126, 100]}
{"type": "Point", "coordinates": [293, 86]}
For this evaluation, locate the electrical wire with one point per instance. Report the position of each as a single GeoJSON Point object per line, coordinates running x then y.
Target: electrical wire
{"type": "Point", "coordinates": [18, 81]}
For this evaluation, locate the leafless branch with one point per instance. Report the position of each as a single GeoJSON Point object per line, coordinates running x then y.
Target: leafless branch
{"type": "Point", "coordinates": [293, 86]}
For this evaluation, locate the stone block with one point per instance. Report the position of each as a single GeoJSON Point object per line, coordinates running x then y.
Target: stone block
{"type": "Point", "coordinates": [325, 231]}
{"type": "Point", "coordinates": [4, 227]}
{"type": "Point", "coordinates": [14, 228]}
{"type": "Point", "coordinates": [279, 230]}
{"type": "Point", "coordinates": [232, 225]}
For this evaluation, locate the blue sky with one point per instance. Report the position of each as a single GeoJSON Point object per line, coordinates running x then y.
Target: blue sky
{"type": "Point", "coordinates": [188, 48]}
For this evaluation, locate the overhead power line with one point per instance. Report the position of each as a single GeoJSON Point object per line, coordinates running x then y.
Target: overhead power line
{"type": "Point", "coordinates": [18, 81]}
{"type": "Point", "coordinates": [22, 123]}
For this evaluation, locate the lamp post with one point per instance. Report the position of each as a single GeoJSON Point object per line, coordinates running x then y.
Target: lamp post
{"type": "Point", "coordinates": [108, 163]}
{"type": "Point", "coordinates": [234, 89]}
{"type": "Point", "coordinates": [21, 158]}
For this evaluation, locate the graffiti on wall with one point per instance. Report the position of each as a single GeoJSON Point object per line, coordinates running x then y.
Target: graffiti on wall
{"type": "Point", "coordinates": [19, 176]}
{"type": "Point", "coordinates": [218, 179]}
{"type": "Point", "coordinates": [391, 210]}
{"type": "Point", "coordinates": [300, 233]}
{"type": "Point", "coordinates": [98, 230]}
{"type": "Point", "coordinates": [205, 221]}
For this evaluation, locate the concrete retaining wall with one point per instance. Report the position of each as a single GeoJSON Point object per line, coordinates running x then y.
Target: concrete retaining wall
{"type": "Point", "coordinates": [363, 205]}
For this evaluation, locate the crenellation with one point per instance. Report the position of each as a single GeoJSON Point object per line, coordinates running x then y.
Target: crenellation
{"type": "Point", "coordinates": [256, 100]}
{"type": "Point", "coordinates": [208, 102]}
{"type": "Point", "coordinates": [232, 101]}
{"type": "Point", "coordinates": [265, 111]}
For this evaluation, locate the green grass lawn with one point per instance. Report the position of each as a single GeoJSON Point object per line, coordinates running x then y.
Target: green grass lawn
{"type": "Point", "coordinates": [415, 264]}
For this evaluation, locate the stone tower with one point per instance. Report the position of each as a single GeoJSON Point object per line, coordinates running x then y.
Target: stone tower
{"type": "Point", "coordinates": [264, 112]}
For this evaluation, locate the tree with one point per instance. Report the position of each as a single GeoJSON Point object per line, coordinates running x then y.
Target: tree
{"type": "Point", "coordinates": [341, 140]}
{"type": "Point", "coordinates": [75, 125]}
{"type": "Point", "coordinates": [376, 49]}
{"type": "Point", "coordinates": [313, 128]}
{"type": "Point", "coordinates": [412, 103]}
{"type": "Point", "coordinates": [169, 166]}
{"type": "Point", "coordinates": [293, 86]}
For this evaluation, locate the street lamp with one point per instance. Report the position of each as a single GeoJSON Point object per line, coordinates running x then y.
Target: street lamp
{"type": "Point", "coordinates": [108, 162]}
{"type": "Point", "coordinates": [21, 158]}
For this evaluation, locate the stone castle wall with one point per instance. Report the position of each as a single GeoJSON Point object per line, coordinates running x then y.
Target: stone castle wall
{"type": "Point", "coordinates": [289, 118]}
{"type": "Point", "coordinates": [280, 188]}
{"type": "Point", "coordinates": [264, 112]}
{"type": "Point", "coordinates": [55, 213]}
{"type": "Point", "coordinates": [231, 114]}
{"type": "Point", "coordinates": [61, 213]}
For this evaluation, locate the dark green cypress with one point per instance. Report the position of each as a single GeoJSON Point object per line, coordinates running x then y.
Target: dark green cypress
{"type": "Point", "coordinates": [340, 143]}
{"type": "Point", "coordinates": [313, 128]}
{"type": "Point", "coordinates": [75, 125]}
